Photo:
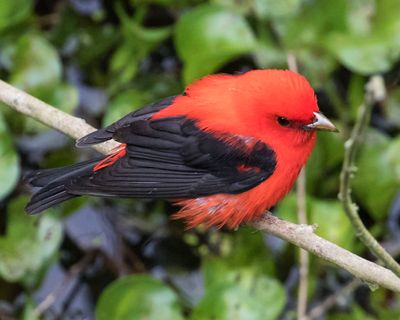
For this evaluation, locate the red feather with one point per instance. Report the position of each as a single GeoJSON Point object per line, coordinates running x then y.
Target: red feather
{"type": "Point", "coordinates": [228, 149]}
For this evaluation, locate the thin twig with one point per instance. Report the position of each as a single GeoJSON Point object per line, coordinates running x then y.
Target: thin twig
{"type": "Point", "coordinates": [304, 260]}
{"type": "Point", "coordinates": [304, 256]}
{"type": "Point", "coordinates": [48, 115]}
{"type": "Point", "coordinates": [375, 92]}
{"type": "Point", "coordinates": [304, 237]}
{"type": "Point", "coordinates": [74, 271]}
{"type": "Point", "coordinates": [331, 300]}
{"type": "Point", "coordinates": [300, 235]}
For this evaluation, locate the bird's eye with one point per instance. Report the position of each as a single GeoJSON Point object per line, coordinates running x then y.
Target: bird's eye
{"type": "Point", "coordinates": [283, 121]}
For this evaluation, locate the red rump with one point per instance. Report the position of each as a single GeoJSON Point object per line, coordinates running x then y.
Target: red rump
{"type": "Point", "coordinates": [118, 152]}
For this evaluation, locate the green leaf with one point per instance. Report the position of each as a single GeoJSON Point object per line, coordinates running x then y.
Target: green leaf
{"type": "Point", "coordinates": [239, 283]}
{"type": "Point", "coordinates": [332, 222]}
{"type": "Point", "coordinates": [326, 158]}
{"type": "Point", "coordinates": [9, 162]}
{"type": "Point", "coordinates": [367, 55]}
{"type": "Point", "coordinates": [13, 12]}
{"type": "Point", "coordinates": [266, 9]}
{"type": "Point", "coordinates": [375, 45]}
{"type": "Point", "coordinates": [29, 243]}
{"type": "Point", "coordinates": [209, 36]}
{"type": "Point", "coordinates": [240, 293]}
{"type": "Point", "coordinates": [328, 215]}
{"type": "Point", "coordinates": [377, 178]}
{"type": "Point", "coordinates": [138, 42]}
{"type": "Point", "coordinates": [35, 63]}
{"type": "Point", "coordinates": [246, 249]}
{"type": "Point", "coordinates": [138, 297]}
{"type": "Point", "coordinates": [309, 27]}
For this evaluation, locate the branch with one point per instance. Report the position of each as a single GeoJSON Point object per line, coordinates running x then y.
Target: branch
{"type": "Point", "coordinates": [304, 237]}
{"type": "Point", "coordinates": [302, 219]}
{"type": "Point", "coordinates": [331, 300]}
{"type": "Point", "coordinates": [375, 92]}
{"type": "Point", "coordinates": [300, 235]}
{"type": "Point", "coordinates": [48, 115]}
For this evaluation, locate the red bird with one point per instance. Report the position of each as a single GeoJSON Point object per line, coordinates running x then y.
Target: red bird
{"type": "Point", "coordinates": [226, 150]}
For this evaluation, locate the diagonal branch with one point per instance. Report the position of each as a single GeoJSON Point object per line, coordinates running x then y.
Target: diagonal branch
{"type": "Point", "coordinates": [375, 92]}
{"type": "Point", "coordinates": [304, 237]}
{"type": "Point", "coordinates": [48, 115]}
{"type": "Point", "coordinates": [300, 235]}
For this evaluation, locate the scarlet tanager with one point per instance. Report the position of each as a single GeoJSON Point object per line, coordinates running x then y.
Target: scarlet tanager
{"type": "Point", "coordinates": [227, 149]}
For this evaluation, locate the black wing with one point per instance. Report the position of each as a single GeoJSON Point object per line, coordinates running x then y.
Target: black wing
{"type": "Point", "coordinates": [172, 158]}
{"type": "Point", "coordinates": [107, 133]}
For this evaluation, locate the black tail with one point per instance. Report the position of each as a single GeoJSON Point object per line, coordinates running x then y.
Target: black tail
{"type": "Point", "coordinates": [52, 183]}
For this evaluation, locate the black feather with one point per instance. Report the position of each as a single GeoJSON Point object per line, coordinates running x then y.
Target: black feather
{"type": "Point", "coordinates": [107, 133]}
{"type": "Point", "coordinates": [169, 158]}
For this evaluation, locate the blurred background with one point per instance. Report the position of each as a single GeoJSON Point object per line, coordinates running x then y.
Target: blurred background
{"type": "Point", "coordinates": [125, 259]}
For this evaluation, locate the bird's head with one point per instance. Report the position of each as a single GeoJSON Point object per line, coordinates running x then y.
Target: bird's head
{"type": "Point", "coordinates": [276, 106]}
{"type": "Point", "coordinates": [281, 104]}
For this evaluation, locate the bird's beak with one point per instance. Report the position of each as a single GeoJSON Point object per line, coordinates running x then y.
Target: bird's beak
{"type": "Point", "coordinates": [321, 123]}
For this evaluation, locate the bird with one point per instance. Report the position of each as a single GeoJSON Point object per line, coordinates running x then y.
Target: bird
{"type": "Point", "coordinates": [224, 151]}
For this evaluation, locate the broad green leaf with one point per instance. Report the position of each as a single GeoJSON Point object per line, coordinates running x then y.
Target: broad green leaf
{"type": "Point", "coordinates": [276, 9]}
{"type": "Point", "coordinates": [242, 249]}
{"type": "Point", "coordinates": [29, 244]}
{"type": "Point", "coordinates": [209, 36]}
{"type": "Point", "coordinates": [326, 158]}
{"type": "Point", "coordinates": [309, 27]}
{"type": "Point", "coordinates": [367, 55]}
{"type": "Point", "coordinates": [332, 222]}
{"type": "Point", "coordinates": [376, 180]}
{"type": "Point", "coordinates": [9, 162]}
{"type": "Point", "coordinates": [328, 215]}
{"type": "Point", "coordinates": [239, 283]}
{"type": "Point", "coordinates": [239, 294]}
{"type": "Point", "coordinates": [316, 67]}
{"type": "Point", "coordinates": [35, 63]}
{"type": "Point", "coordinates": [304, 35]}
{"type": "Point", "coordinates": [373, 45]}
{"type": "Point", "coordinates": [138, 297]}
{"type": "Point", "coordinates": [13, 12]}
{"type": "Point", "coordinates": [138, 42]}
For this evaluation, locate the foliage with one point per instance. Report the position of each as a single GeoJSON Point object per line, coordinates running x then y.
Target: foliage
{"type": "Point", "coordinates": [102, 59]}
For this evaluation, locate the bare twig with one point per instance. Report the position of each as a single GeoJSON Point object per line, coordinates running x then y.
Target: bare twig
{"type": "Point", "coordinates": [300, 235]}
{"type": "Point", "coordinates": [304, 256]}
{"type": "Point", "coordinates": [48, 115]}
{"type": "Point", "coordinates": [302, 219]}
{"type": "Point", "coordinates": [331, 300]}
{"type": "Point", "coordinates": [304, 237]}
{"type": "Point", "coordinates": [375, 92]}
{"type": "Point", "coordinates": [74, 271]}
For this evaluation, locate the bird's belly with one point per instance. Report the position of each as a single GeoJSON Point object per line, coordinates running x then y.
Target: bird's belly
{"type": "Point", "coordinates": [232, 209]}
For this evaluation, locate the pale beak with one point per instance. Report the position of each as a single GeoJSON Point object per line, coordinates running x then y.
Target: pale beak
{"type": "Point", "coordinates": [321, 123]}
